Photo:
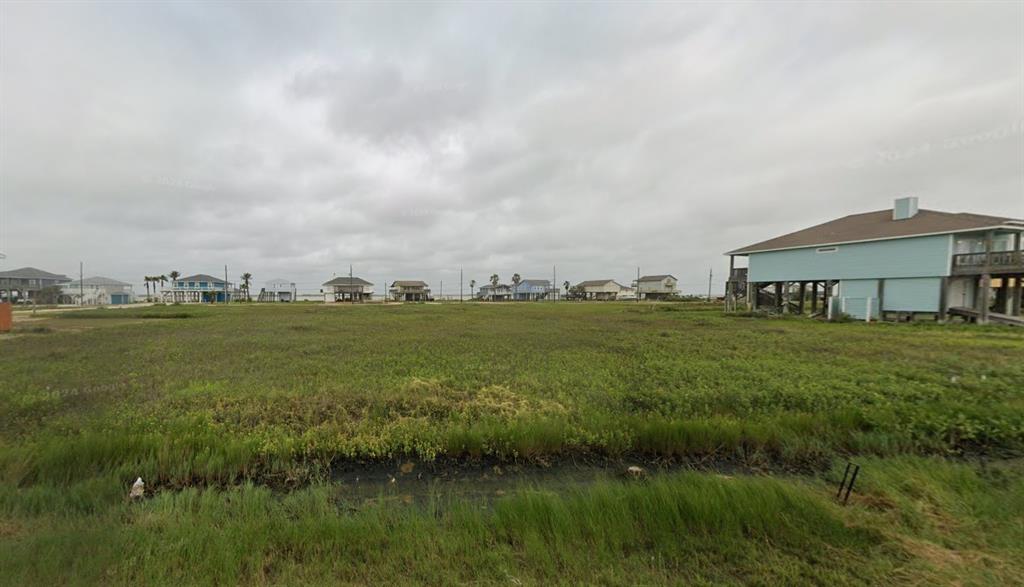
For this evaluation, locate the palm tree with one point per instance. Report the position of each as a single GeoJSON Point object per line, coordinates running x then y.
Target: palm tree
{"type": "Point", "coordinates": [494, 285]}
{"type": "Point", "coordinates": [146, 279]}
{"type": "Point", "coordinates": [174, 275]}
{"type": "Point", "coordinates": [246, 279]}
{"type": "Point", "coordinates": [162, 279]}
{"type": "Point", "coordinates": [515, 284]}
{"type": "Point", "coordinates": [472, 284]}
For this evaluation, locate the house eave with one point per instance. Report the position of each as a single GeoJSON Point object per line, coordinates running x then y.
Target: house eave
{"type": "Point", "coordinates": [746, 252]}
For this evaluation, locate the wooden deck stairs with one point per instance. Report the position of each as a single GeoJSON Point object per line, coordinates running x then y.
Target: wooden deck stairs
{"type": "Point", "coordinates": [993, 317]}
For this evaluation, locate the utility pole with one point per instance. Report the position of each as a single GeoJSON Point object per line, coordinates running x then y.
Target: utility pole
{"type": "Point", "coordinates": [710, 270]}
{"type": "Point", "coordinates": [81, 284]}
{"type": "Point", "coordinates": [440, 293]}
{"type": "Point", "coordinates": [638, 284]}
{"type": "Point", "coordinates": [225, 284]}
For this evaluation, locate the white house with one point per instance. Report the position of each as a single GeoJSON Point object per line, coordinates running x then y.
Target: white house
{"type": "Point", "coordinates": [495, 293]}
{"type": "Point", "coordinates": [655, 287]}
{"type": "Point", "coordinates": [278, 290]}
{"type": "Point", "coordinates": [99, 291]}
{"type": "Point", "coordinates": [347, 289]}
{"type": "Point", "coordinates": [627, 294]}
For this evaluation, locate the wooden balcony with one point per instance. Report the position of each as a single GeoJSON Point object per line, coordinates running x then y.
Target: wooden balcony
{"type": "Point", "coordinates": [738, 274]}
{"type": "Point", "coordinates": [993, 263]}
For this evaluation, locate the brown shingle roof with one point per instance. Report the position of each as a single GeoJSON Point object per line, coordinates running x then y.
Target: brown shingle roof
{"type": "Point", "coordinates": [347, 281]}
{"type": "Point", "coordinates": [878, 226]}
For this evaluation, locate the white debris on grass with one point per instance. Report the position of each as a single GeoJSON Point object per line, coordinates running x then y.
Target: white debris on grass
{"type": "Point", "coordinates": [138, 490]}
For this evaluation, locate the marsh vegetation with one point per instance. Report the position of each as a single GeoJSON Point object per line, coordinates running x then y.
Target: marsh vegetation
{"type": "Point", "coordinates": [249, 424]}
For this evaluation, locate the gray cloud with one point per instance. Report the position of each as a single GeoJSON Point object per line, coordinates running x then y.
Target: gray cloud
{"type": "Point", "coordinates": [412, 139]}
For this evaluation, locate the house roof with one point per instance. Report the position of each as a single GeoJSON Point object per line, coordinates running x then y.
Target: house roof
{"type": "Point", "coordinates": [347, 281]}
{"type": "Point", "coordinates": [99, 281]}
{"type": "Point", "coordinates": [879, 225]}
{"type": "Point", "coordinates": [654, 278]}
{"type": "Point", "coordinates": [201, 277]}
{"type": "Point", "coordinates": [597, 282]}
{"type": "Point", "coordinates": [33, 273]}
{"type": "Point", "coordinates": [410, 283]}
{"type": "Point", "coordinates": [536, 282]}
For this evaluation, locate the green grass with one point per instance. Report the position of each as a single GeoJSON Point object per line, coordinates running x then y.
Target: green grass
{"type": "Point", "coordinates": [236, 416]}
{"type": "Point", "coordinates": [229, 393]}
{"type": "Point", "coordinates": [919, 521]}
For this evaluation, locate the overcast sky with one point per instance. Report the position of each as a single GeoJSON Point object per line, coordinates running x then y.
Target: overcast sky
{"type": "Point", "coordinates": [411, 139]}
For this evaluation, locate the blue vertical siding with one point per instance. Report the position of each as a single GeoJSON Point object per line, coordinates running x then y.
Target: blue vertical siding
{"type": "Point", "coordinates": [855, 295]}
{"type": "Point", "coordinates": [923, 256]}
{"type": "Point", "coordinates": [912, 295]}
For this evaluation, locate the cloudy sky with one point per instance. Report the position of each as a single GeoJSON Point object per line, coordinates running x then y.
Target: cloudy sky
{"type": "Point", "coordinates": [412, 139]}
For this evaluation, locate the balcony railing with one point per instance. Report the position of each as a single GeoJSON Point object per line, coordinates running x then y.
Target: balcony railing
{"type": "Point", "coordinates": [738, 274]}
{"type": "Point", "coordinates": [991, 262]}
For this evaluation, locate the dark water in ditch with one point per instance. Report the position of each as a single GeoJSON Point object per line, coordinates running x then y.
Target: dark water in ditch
{"type": "Point", "coordinates": [427, 482]}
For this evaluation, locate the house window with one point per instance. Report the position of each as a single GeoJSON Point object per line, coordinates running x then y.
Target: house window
{"type": "Point", "coordinates": [191, 284]}
{"type": "Point", "coordinates": [828, 249]}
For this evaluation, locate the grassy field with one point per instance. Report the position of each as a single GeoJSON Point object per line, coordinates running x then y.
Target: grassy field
{"type": "Point", "coordinates": [239, 419]}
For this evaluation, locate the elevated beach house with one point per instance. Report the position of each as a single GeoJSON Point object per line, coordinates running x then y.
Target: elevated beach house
{"type": "Point", "coordinates": [409, 291]}
{"type": "Point", "coordinates": [19, 285]}
{"type": "Point", "coordinates": [347, 289]}
{"type": "Point", "coordinates": [199, 288]}
{"type": "Point", "coordinates": [99, 291]}
{"type": "Point", "coordinates": [278, 290]}
{"type": "Point", "coordinates": [532, 290]}
{"type": "Point", "coordinates": [896, 263]}
{"type": "Point", "coordinates": [494, 293]}
{"type": "Point", "coordinates": [600, 289]}
{"type": "Point", "coordinates": [656, 287]}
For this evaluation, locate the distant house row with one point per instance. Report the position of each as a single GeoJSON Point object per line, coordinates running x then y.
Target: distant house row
{"type": "Point", "coordinates": [26, 283]}
{"type": "Point", "coordinates": [355, 289]}
{"type": "Point", "coordinates": [29, 283]}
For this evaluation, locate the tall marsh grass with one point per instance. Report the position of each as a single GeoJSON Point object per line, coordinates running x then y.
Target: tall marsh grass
{"type": "Point", "coordinates": [661, 530]}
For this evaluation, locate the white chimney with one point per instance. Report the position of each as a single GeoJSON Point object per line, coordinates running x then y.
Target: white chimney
{"type": "Point", "coordinates": [904, 208]}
